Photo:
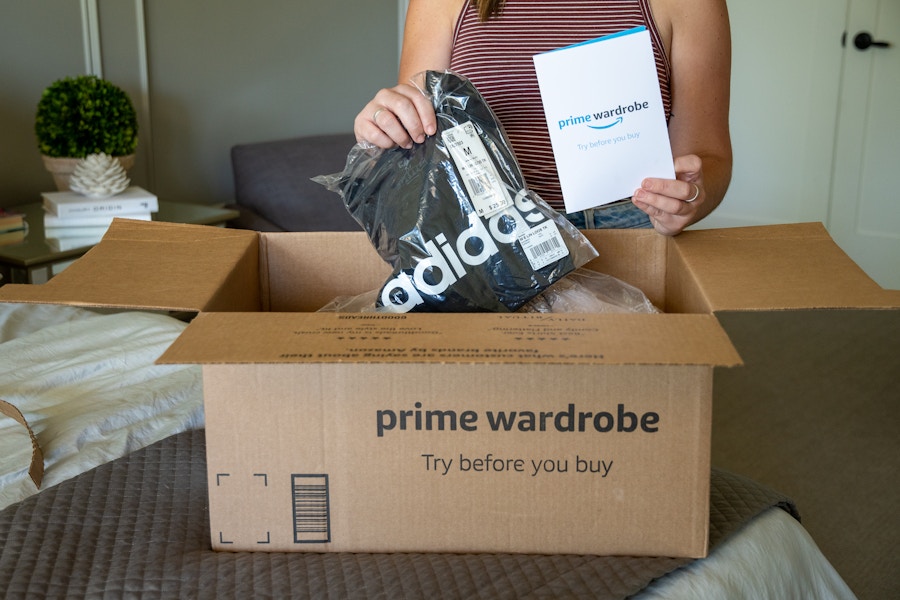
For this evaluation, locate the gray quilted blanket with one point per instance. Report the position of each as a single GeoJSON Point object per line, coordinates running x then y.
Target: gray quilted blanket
{"type": "Point", "coordinates": [139, 527]}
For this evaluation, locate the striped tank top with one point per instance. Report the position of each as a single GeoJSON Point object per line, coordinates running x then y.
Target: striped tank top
{"type": "Point", "coordinates": [497, 57]}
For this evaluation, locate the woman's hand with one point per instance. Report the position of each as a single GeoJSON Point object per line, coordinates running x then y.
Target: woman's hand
{"type": "Point", "coordinates": [403, 115]}
{"type": "Point", "coordinates": [699, 47]}
{"type": "Point", "coordinates": [673, 204]}
{"type": "Point", "coordinates": [397, 116]}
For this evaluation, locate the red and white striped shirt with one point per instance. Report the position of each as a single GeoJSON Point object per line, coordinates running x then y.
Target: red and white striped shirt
{"type": "Point", "coordinates": [497, 57]}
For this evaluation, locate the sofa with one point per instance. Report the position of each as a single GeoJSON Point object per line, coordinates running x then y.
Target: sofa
{"type": "Point", "coordinates": [273, 186]}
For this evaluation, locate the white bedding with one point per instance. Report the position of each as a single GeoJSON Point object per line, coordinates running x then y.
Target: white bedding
{"type": "Point", "coordinates": [772, 558]}
{"type": "Point", "coordinates": [88, 386]}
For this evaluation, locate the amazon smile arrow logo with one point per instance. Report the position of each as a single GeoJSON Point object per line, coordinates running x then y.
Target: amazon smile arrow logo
{"type": "Point", "coordinates": [613, 124]}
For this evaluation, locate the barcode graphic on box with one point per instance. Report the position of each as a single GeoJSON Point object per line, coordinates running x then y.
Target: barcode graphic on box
{"type": "Point", "coordinates": [312, 517]}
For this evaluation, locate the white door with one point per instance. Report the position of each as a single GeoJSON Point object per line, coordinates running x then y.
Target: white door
{"type": "Point", "coordinates": [814, 125]}
{"type": "Point", "coordinates": [864, 215]}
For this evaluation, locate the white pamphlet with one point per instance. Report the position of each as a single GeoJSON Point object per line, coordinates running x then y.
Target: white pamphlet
{"type": "Point", "coordinates": [606, 117]}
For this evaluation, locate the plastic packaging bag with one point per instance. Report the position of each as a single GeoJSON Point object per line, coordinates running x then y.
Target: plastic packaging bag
{"type": "Point", "coordinates": [582, 291]}
{"type": "Point", "coordinates": [364, 302]}
{"type": "Point", "coordinates": [587, 291]}
{"type": "Point", "coordinates": [452, 215]}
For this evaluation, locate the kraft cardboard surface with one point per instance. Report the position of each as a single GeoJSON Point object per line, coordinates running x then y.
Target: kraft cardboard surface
{"type": "Point", "coordinates": [304, 272]}
{"type": "Point", "coordinates": [481, 338]}
{"type": "Point", "coordinates": [166, 266]}
{"type": "Point", "coordinates": [794, 266]}
{"type": "Point", "coordinates": [459, 458]}
{"type": "Point", "coordinates": [36, 468]}
{"type": "Point", "coordinates": [369, 432]}
{"type": "Point", "coordinates": [157, 266]}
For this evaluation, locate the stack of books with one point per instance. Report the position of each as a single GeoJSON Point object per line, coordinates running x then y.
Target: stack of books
{"type": "Point", "coordinates": [12, 227]}
{"type": "Point", "coordinates": [72, 220]}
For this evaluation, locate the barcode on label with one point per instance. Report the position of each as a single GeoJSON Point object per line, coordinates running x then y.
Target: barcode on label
{"type": "Point", "coordinates": [544, 247]}
{"type": "Point", "coordinates": [476, 186]}
{"type": "Point", "coordinates": [312, 518]}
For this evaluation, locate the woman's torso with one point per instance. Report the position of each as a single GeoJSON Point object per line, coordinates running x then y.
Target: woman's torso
{"type": "Point", "coordinates": [497, 57]}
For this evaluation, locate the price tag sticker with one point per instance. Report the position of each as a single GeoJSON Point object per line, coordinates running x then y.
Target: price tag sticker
{"type": "Point", "coordinates": [486, 190]}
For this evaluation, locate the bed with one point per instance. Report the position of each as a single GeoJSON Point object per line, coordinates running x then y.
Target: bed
{"type": "Point", "coordinates": [121, 511]}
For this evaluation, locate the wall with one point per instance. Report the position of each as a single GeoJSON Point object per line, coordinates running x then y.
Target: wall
{"type": "Point", "coordinates": [37, 46]}
{"type": "Point", "coordinates": [786, 69]}
{"type": "Point", "coordinates": [204, 75]}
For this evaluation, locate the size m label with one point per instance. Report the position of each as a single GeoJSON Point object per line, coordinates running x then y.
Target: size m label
{"type": "Point", "coordinates": [312, 504]}
{"type": "Point", "coordinates": [486, 189]}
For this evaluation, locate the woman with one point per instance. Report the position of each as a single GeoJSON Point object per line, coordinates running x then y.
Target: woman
{"type": "Point", "coordinates": [492, 41]}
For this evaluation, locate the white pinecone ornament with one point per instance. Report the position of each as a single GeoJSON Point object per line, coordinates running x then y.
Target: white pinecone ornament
{"type": "Point", "coordinates": [99, 176]}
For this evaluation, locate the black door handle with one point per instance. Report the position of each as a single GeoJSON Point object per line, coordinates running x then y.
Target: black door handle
{"type": "Point", "coordinates": [864, 41]}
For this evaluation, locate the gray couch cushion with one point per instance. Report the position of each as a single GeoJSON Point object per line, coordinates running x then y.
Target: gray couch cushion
{"type": "Point", "coordinates": [273, 190]}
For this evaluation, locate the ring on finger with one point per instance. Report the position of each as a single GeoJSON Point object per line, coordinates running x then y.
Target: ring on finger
{"type": "Point", "coordinates": [375, 115]}
{"type": "Point", "coordinates": [692, 198]}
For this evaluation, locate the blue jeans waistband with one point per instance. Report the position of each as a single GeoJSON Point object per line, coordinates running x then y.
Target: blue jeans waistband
{"type": "Point", "coordinates": [618, 215]}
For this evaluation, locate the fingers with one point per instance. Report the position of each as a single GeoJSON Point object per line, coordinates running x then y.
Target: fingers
{"type": "Point", "coordinates": [669, 195]}
{"type": "Point", "coordinates": [398, 116]}
{"type": "Point", "coordinates": [672, 204]}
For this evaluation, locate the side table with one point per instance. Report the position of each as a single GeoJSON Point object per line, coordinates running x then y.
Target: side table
{"type": "Point", "coordinates": [34, 260]}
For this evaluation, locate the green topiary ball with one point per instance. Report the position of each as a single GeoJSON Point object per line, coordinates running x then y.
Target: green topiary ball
{"type": "Point", "coordinates": [83, 115]}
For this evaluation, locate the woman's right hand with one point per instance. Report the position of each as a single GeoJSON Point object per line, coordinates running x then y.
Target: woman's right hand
{"type": "Point", "coordinates": [397, 116]}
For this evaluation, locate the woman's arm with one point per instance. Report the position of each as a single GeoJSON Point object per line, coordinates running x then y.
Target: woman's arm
{"type": "Point", "coordinates": [700, 58]}
{"type": "Point", "coordinates": [401, 115]}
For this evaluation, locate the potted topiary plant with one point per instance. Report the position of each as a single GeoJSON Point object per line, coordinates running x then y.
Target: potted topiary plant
{"type": "Point", "coordinates": [80, 116]}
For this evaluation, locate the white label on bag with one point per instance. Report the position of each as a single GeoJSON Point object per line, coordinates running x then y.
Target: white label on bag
{"type": "Point", "coordinates": [480, 177]}
{"type": "Point", "coordinates": [543, 245]}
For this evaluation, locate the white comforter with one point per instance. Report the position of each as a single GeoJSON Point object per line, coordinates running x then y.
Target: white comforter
{"type": "Point", "coordinates": [87, 384]}
{"type": "Point", "coordinates": [772, 558]}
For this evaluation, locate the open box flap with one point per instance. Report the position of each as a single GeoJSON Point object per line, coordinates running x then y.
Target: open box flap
{"type": "Point", "coordinates": [778, 267]}
{"type": "Point", "coordinates": [445, 338]}
{"type": "Point", "coordinates": [36, 468]}
{"type": "Point", "coordinates": [157, 266]}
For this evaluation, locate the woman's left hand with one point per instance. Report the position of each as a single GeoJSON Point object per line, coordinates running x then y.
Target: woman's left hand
{"type": "Point", "coordinates": [673, 204]}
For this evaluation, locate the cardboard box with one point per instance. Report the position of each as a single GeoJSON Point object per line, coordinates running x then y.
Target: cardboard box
{"type": "Point", "coordinates": [586, 434]}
